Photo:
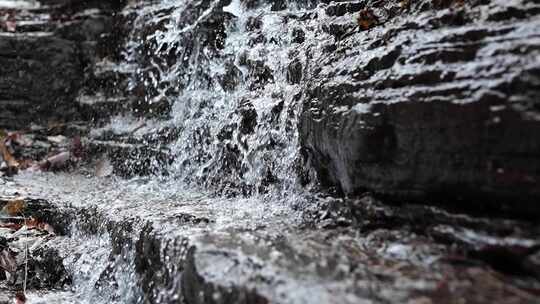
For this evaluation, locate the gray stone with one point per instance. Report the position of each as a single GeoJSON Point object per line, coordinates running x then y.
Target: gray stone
{"type": "Point", "coordinates": [439, 103]}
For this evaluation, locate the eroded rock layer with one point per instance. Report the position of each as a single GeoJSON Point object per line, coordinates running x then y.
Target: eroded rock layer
{"type": "Point", "coordinates": [434, 98]}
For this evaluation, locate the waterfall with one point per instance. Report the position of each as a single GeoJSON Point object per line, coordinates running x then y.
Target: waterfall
{"type": "Point", "coordinates": [221, 69]}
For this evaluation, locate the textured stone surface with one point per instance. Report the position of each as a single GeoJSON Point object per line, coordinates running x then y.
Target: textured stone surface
{"type": "Point", "coordinates": [437, 100]}
{"type": "Point", "coordinates": [208, 250]}
{"type": "Point", "coordinates": [40, 77]}
{"type": "Point", "coordinates": [53, 58]}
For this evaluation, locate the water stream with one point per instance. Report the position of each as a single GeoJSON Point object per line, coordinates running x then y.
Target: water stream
{"type": "Point", "coordinates": [220, 86]}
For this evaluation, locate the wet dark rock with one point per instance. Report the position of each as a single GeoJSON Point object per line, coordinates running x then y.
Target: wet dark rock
{"type": "Point", "coordinates": [85, 29]}
{"type": "Point", "coordinates": [457, 132]}
{"type": "Point", "coordinates": [342, 8]}
{"type": "Point", "coordinates": [73, 6]}
{"type": "Point", "coordinates": [253, 23]}
{"type": "Point", "coordinates": [156, 273]}
{"type": "Point", "coordinates": [196, 290]}
{"type": "Point", "coordinates": [294, 72]}
{"type": "Point", "coordinates": [45, 68]}
{"type": "Point", "coordinates": [41, 75]}
{"type": "Point", "coordinates": [298, 35]}
{"type": "Point", "coordinates": [248, 118]}
{"type": "Point", "coordinates": [130, 160]}
{"type": "Point", "coordinates": [276, 5]}
{"type": "Point", "coordinates": [260, 74]}
{"type": "Point", "coordinates": [232, 76]}
{"type": "Point", "coordinates": [148, 261]}
{"type": "Point", "coordinates": [398, 108]}
{"type": "Point", "coordinates": [46, 270]}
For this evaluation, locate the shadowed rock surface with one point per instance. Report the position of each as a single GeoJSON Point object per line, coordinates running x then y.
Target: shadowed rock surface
{"type": "Point", "coordinates": [436, 101]}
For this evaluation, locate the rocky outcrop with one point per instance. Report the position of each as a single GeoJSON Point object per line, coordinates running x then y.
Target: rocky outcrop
{"type": "Point", "coordinates": [332, 250]}
{"type": "Point", "coordinates": [411, 99]}
{"type": "Point", "coordinates": [50, 61]}
{"type": "Point", "coordinates": [429, 99]}
{"type": "Point", "coordinates": [61, 67]}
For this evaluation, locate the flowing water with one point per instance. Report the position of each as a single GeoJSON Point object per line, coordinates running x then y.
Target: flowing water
{"type": "Point", "coordinates": [221, 87]}
{"type": "Point", "coordinates": [237, 156]}
{"type": "Point", "coordinates": [223, 70]}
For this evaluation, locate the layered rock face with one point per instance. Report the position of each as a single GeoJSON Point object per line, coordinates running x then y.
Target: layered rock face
{"type": "Point", "coordinates": [28, 65]}
{"type": "Point", "coordinates": [429, 99]}
{"type": "Point", "coordinates": [50, 58]}
{"type": "Point", "coordinates": [412, 99]}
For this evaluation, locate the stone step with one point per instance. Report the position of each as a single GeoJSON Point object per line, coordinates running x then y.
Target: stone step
{"type": "Point", "coordinates": [35, 26]}
{"type": "Point", "coordinates": [198, 249]}
{"type": "Point", "coordinates": [129, 159]}
{"type": "Point", "coordinates": [99, 109]}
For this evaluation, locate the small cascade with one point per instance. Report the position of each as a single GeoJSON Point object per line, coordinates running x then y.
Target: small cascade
{"type": "Point", "coordinates": [269, 151]}
{"type": "Point", "coordinates": [231, 79]}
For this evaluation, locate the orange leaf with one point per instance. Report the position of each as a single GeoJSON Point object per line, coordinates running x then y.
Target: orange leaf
{"type": "Point", "coordinates": [8, 158]}
{"type": "Point", "coordinates": [366, 19]}
{"type": "Point", "coordinates": [33, 223]}
{"type": "Point", "coordinates": [11, 226]}
{"type": "Point", "coordinates": [14, 207]}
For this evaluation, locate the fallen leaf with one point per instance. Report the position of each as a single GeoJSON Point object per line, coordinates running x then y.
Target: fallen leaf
{"type": "Point", "coordinates": [20, 298]}
{"type": "Point", "coordinates": [11, 26]}
{"type": "Point", "coordinates": [11, 226]}
{"type": "Point", "coordinates": [14, 207]}
{"type": "Point", "coordinates": [26, 163]}
{"type": "Point", "coordinates": [405, 4]}
{"type": "Point", "coordinates": [23, 140]}
{"type": "Point", "coordinates": [33, 223]}
{"type": "Point", "coordinates": [76, 147]}
{"type": "Point", "coordinates": [366, 19]}
{"type": "Point", "coordinates": [11, 162]}
{"type": "Point", "coordinates": [11, 23]}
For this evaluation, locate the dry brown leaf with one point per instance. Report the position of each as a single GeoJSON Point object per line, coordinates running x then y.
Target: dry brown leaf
{"type": "Point", "coordinates": [14, 207]}
{"type": "Point", "coordinates": [8, 158]}
{"type": "Point", "coordinates": [11, 26]}
{"type": "Point", "coordinates": [11, 226]}
{"type": "Point", "coordinates": [366, 19]}
{"type": "Point", "coordinates": [404, 4]}
{"type": "Point", "coordinates": [76, 147]}
{"type": "Point", "coordinates": [26, 163]}
{"type": "Point", "coordinates": [56, 161]}
{"type": "Point", "coordinates": [11, 22]}
{"type": "Point", "coordinates": [33, 223]}
{"type": "Point", "coordinates": [20, 298]}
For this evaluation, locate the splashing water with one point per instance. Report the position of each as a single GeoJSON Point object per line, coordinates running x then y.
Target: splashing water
{"type": "Point", "coordinates": [230, 80]}
{"type": "Point", "coordinates": [223, 70]}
